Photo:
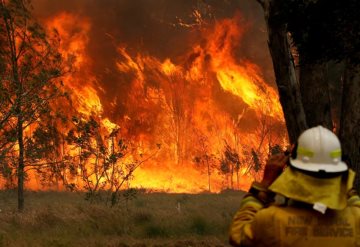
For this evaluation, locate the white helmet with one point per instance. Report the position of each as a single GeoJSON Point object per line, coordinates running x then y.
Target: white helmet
{"type": "Point", "coordinates": [319, 150]}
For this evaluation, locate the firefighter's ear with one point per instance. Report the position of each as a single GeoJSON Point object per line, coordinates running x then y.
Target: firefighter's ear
{"type": "Point", "coordinates": [294, 151]}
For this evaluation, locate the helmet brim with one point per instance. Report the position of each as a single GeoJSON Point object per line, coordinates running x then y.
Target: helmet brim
{"type": "Point", "coordinates": [315, 167]}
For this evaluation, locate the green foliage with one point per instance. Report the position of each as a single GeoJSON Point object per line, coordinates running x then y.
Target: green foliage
{"type": "Point", "coordinates": [42, 143]}
{"type": "Point", "coordinates": [104, 161]}
{"type": "Point", "coordinates": [31, 67]}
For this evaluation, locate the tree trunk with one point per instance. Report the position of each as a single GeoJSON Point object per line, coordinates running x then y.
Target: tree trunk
{"type": "Point", "coordinates": [20, 136]}
{"type": "Point", "coordinates": [350, 119]}
{"type": "Point", "coordinates": [315, 93]}
{"type": "Point", "coordinates": [232, 176]}
{"type": "Point", "coordinates": [10, 31]}
{"type": "Point", "coordinates": [209, 172]}
{"type": "Point", "coordinates": [335, 78]}
{"type": "Point", "coordinates": [237, 179]}
{"type": "Point", "coordinates": [21, 166]}
{"type": "Point", "coordinates": [288, 87]}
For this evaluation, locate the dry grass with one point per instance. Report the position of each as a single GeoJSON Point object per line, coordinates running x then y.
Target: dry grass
{"type": "Point", "coordinates": [157, 219]}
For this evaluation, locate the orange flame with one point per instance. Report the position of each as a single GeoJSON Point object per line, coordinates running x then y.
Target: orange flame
{"type": "Point", "coordinates": [73, 31]}
{"type": "Point", "coordinates": [181, 111]}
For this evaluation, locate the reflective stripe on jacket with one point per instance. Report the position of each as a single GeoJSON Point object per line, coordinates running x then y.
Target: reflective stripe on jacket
{"type": "Point", "coordinates": [295, 226]}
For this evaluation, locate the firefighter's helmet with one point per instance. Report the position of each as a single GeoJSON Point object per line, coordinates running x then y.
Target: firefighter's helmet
{"type": "Point", "coordinates": [318, 149]}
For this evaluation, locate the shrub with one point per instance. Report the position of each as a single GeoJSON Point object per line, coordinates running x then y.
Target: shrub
{"type": "Point", "coordinates": [155, 231]}
{"type": "Point", "coordinates": [200, 226]}
{"type": "Point", "coordinates": [142, 218]}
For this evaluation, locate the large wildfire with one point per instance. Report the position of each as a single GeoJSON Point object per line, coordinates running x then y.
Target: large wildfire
{"type": "Point", "coordinates": [200, 117]}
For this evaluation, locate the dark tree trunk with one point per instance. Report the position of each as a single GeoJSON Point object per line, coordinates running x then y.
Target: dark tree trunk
{"type": "Point", "coordinates": [334, 77]}
{"type": "Point", "coordinates": [209, 172]}
{"type": "Point", "coordinates": [288, 87]}
{"type": "Point", "coordinates": [21, 166]}
{"type": "Point", "coordinates": [237, 179]}
{"type": "Point", "coordinates": [315, 93]}
{"type": "Point", "coordinates": [10, 32]}
{"type": "Point", "coordinates": [350, 119]}
{"type": "Point", "coordinates": [20, 137]}
{"type": "Point", "coordinates": [232, 176]}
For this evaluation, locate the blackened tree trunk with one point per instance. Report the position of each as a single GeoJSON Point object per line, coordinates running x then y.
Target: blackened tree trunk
{"type": "Point", "coordinates": [283, 63]}
{"type": "Point", "coordinates": [317, 40]}
{"type": "Point", "coordinates": [350, 118]}
{"type": "Point", "coordinates": [315, 94]}
{"type": "Point", "coordinates": [20, 132]}
{"type": "Point", "coordinates": [21, 166]}
{"type": "Point", "coordinates": [208, 171]}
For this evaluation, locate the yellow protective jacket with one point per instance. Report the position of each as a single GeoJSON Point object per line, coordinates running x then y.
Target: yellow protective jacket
{"type": "Point", "coordinates": [296, 225]}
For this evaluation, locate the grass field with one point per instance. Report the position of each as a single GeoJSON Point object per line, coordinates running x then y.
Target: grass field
{"type": "Point", "coordinates": [149, 219]}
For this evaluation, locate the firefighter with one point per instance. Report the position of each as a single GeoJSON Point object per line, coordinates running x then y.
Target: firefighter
{"type": "Point", "coordinates": [308, 202]}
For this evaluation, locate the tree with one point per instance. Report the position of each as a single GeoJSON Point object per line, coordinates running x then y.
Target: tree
{"type": "Point", "coordinates": [203, 157]}
{"type": "Point", "coordinates": [177, 104]}
{"type": "Point", "coordinates": [43, 153]}
{"type": "Point", "coordinates": [31, 66]}
{"type": "Point", "coordinates": [105, 161]}
{"type": "Point", "coordinates": [326, 35]}
{"type": "Point", "coordinates": [283, 62]}
{"type": "Point", "coordinates": [230, 165]}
